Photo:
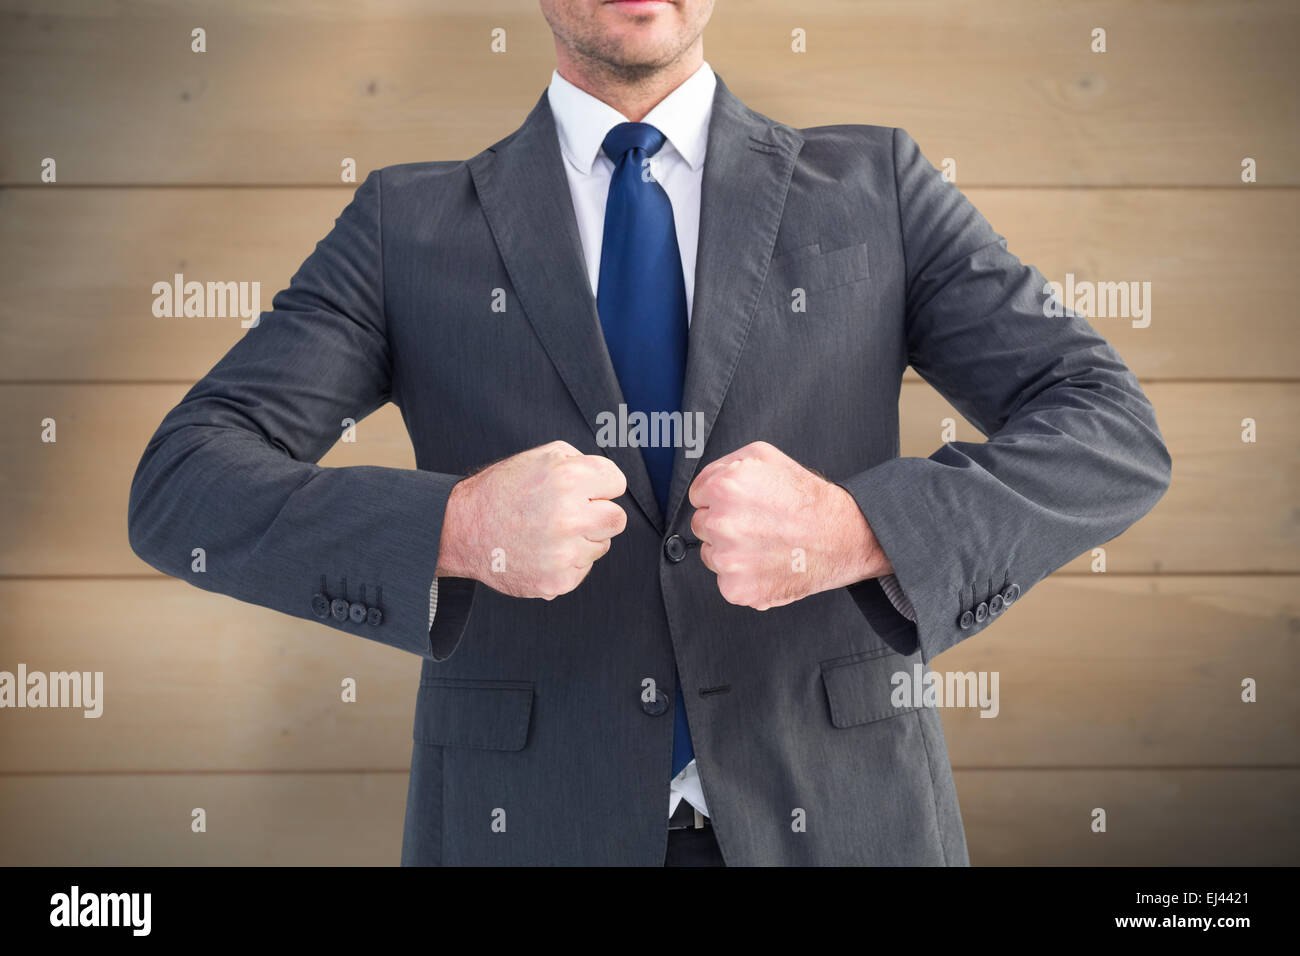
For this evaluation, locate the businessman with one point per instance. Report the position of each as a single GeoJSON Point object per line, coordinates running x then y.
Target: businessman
{"type": "Point", "coordinates": [659, 554]}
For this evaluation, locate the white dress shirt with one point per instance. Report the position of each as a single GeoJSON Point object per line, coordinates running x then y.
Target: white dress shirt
{"type": "Point", "coordinates": [582, 122]}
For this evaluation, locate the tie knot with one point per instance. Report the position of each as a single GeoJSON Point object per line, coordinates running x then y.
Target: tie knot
{"type": "Point", "coordinates": [626, 136]}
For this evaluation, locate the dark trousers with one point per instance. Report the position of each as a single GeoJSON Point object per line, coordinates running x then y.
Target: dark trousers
{"type": "Point", "coordinates": [691, 847]}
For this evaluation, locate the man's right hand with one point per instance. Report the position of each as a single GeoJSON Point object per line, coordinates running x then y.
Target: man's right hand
{"type": "Point", "coordinates": [532, 525]}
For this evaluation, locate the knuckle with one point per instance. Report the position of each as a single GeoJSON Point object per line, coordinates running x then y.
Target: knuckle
{"type": "Point", "coordinates": [733, 591]}
{"type": "Point", "coordinates": [729, 563]}
{"type": "Point", "coordinates": [609, 523]}
{"type": "Point", "coordinates": [554, 584]}
{"type": "Point", "coordinates": [731, 486]}
{"type": "Point", "coordinates": [619, 521]}
{"type": "Point", "coordinates": [618, 475]}
{"type": "Point", "coordinates": [566, 524]}
{"type": "Point", "coordinates": [566, 473]}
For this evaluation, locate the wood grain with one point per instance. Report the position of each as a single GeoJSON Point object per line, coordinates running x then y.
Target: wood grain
{"type": "Point", "coordinates": [286, 90]}
{"type": "Point", "coordinates": [1232, 506]}
{"type": "Point", "coordinates": [1101, 671]}
{"type": "Point", "coordinates": [1154, 817]}
{"type": "Point", "coordinates": [348, 819]}
{"type": "Point", "coordinates": [1119, 691]}
{"type": "Point", "coordinates": [79, 267]}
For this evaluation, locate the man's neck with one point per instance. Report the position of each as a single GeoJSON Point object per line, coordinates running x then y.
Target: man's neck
{"type": "Point", "coordinates": [633, 96]}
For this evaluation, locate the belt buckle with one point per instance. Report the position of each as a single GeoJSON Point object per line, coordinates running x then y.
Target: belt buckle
{"type": "Point", "coordinates": [696, 821]}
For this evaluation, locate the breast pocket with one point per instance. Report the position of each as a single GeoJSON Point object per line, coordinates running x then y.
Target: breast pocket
{"type": "Point", "coordinates": [483, 714]}
{"type": "Point", "coordinates": [812, 270]}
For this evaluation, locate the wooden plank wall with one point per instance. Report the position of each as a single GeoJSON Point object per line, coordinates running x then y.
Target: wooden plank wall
{"type": "Point", "coordinates": [1118, 690]}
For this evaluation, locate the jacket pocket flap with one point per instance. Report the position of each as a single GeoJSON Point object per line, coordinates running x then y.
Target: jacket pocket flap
{"type": "Point", "coordinates": [810, 269]}
{"type": "Point", "coordinates": [859, 687]}
{"type": "Point", "coordinates": [485, 714]}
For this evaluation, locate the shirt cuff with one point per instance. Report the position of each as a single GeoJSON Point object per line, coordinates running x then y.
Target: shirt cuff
{"type": "Point", "coordinates": [433, 601]}
{"type": "Point", "coordinates": [893, 590]}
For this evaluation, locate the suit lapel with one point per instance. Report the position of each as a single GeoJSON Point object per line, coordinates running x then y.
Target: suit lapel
{"type": "Point", "coordinates": [747, 169]}
{"type": "Point", "coordinates": [525, 196]}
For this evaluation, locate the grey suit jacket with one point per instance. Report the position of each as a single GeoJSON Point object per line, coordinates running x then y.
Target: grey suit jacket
{"type": "Point", "coordinates": [543, 730]}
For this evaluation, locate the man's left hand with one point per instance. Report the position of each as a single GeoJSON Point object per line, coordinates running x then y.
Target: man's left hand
{"type": "Point", "coordinates": [774, 532]}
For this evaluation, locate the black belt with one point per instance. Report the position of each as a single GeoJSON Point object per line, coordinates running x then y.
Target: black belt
{"type": "Point", "coordinates": [686, 817]}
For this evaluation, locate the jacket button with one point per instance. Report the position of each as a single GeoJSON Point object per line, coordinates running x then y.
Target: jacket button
{"type": "Point", "coordinates": [996, 604]}
{"type": "Point", "coordinates": [357, 612]}
{"type": "Point", "coordinates": [320, 605]}
{"type": "Point", "coordinates": [657, 706]}
{"type": "Point", "coordinates": [982, 612]}
{"type": "Point", "coordinates": [675, 548]}
{"type": "Point", "coordinates": [374, 617]}
{"type": "Point", "coordinates": [967, 619]}
{"type": "Point", "coordinates": [339, 609]}
{"type": "Point", "coordinates": [1010, 593]}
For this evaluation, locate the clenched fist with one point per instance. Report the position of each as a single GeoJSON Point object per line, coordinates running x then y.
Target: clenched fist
{"type": "Point", "coordinates": [774, 532]}
{"type": "Point", "coordinates": [533, 524]}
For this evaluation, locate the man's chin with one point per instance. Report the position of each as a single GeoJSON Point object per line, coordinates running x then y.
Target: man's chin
{"type": "Point", "coordinates": [637, 61]}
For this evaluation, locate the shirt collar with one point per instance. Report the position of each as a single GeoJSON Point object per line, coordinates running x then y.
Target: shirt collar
{"type": "Point", "coordinates": [582, 121]}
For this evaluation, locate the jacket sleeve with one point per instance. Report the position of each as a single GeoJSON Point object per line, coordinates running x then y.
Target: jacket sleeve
{"type": "Point", "coordinates": [232, 469]}
{"type": "Point", "coordinates": [1073, 456]}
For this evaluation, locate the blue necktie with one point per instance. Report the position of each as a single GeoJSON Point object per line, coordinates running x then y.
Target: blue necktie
{"type": "Point", "coordinates": [641, 299]}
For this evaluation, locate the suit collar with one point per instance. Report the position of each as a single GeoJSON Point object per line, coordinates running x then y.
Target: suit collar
{"type": "Point", "coordinates": [524, 195]}
{"type": "Point", "coordinates": [582, 121]}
